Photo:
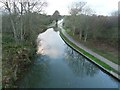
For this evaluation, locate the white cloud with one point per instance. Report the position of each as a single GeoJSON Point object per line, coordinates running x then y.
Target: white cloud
{"type": "Point", "coordinates": [60, 5]}
{"type": "Point", "coordinates": [102, 7]}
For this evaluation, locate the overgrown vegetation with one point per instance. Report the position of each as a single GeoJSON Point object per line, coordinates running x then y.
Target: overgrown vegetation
{"type": "Point", "coordinates": [20, 28]}
{"type": "Point", "coordinates": [100, 33]}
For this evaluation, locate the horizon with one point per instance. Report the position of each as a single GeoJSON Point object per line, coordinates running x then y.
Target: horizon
{"type": "Point", "coordinates": [100, 7]}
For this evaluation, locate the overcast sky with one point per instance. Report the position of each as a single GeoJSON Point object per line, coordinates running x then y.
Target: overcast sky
{"type": "Point", "coordinates": [101, 7]}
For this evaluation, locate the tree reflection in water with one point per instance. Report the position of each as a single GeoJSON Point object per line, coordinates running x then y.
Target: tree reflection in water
{"type": "Point", "coordinates": [79, 65]}
{"type": "Point", "coordinates": [39, 69]}
{"type": "Point", "coordinates": [56, 29]}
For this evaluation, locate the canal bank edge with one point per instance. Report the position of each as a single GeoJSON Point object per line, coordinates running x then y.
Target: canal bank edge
{"type": "Point", "coordinates": [104, 67]}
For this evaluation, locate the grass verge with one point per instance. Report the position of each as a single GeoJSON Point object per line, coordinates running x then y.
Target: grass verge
{"type": "Point", "coordinates": [104, 65]}
{"type": "Point", "coordinates": [107, 53]}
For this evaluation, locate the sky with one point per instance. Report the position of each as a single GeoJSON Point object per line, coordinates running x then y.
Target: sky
{"type": "Point", "coordinates": [101, 7]}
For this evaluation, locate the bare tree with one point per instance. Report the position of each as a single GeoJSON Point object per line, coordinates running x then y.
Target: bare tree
{"type": "Point", "coordinates": [9, 8]}
{"type": "Point", "coordinates": [115, 13]}
{"type": "Point", "coordinates": [77, 8]}
{"type": "Point", "coordinates": [19, 8]}
{"type": "Point", "coordinates": [76, 11]}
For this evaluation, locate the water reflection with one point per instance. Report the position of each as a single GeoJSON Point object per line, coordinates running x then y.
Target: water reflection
{"type": "Point", "coordinates": [78, 64]}
{"type": "Point", "coordinates": [59, 66]}
{"type": "Point", "coordinates": [56, 29]}
{"type": "Point", "coordinates": [38, 73]}
{"type": "Point", "coordinates": [48, 44]}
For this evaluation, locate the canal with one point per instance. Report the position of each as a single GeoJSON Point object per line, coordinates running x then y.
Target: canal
{"type": "Point", "coordinates": [59, 66]}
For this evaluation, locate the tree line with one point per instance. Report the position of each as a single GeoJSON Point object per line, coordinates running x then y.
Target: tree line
{"type": "Point", "coordinates": [23, 18]}
{"type": "Point", "coordinates": [83, 23]}
{"type": "Point", "coordinates": [22, 21]}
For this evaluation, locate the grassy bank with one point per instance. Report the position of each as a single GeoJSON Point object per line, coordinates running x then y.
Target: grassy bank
{"type": "Point", "coordinates": [16, 57]}
{"type": "Point", "coordinates": [19, 34]}
{"type": "Point", "coordinates": [99, 62]}
{"type": "Point", "coordinates": [102, 49]}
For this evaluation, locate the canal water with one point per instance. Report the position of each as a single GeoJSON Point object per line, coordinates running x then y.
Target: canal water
{"type": "Point", "coordinates": [59, 66]}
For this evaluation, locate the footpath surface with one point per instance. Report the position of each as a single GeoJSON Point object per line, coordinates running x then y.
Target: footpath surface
{"type": "Point", "coordinates": [111, 64]}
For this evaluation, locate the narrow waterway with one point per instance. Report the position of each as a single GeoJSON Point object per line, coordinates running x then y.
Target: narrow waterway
{"type": "Point", "coordinates": [59, 66]}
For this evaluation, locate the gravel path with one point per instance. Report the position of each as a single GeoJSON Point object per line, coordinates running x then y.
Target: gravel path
{"type": "Point", "coordinates": [113, 65]}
